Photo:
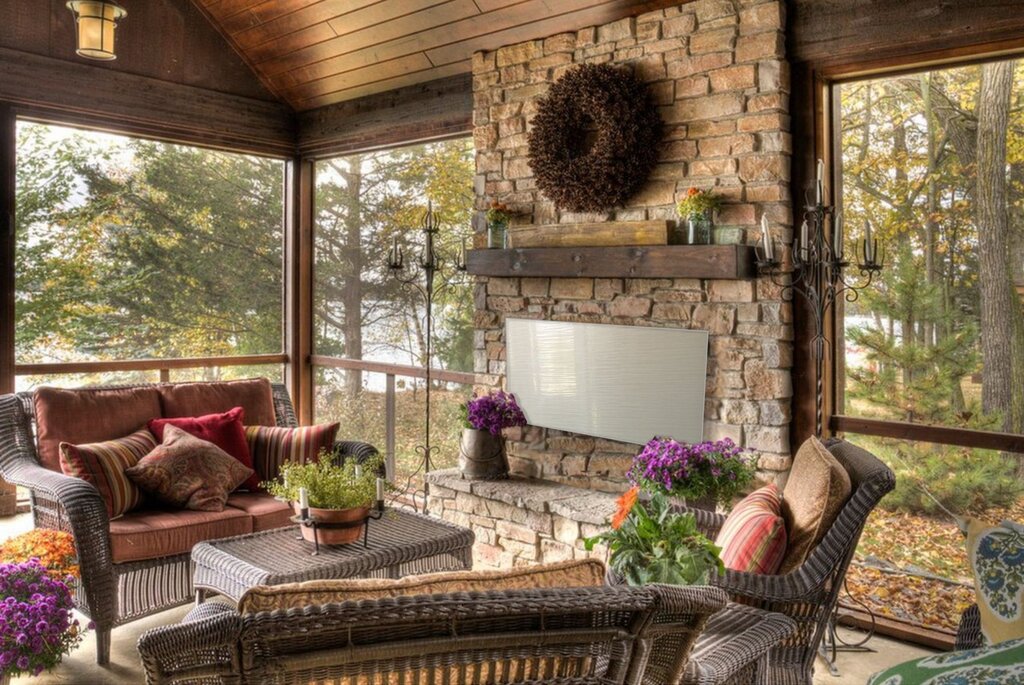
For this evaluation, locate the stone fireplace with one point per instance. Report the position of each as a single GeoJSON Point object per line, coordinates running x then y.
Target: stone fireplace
{"type": "Point", "coordinates": [717, 72]}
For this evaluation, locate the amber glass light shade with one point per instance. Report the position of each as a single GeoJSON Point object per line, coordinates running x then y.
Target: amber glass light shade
{"type": "Point", "coordinates": [96, 22]}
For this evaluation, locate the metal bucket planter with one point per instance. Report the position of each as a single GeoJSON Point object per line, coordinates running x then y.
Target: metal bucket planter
{"type": "Point", "coordinates": [482, 455]}
{"type": "Point", "coordinates": [353, 521]}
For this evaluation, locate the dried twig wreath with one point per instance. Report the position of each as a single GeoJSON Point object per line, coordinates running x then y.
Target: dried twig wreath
{"type": "Point", "coordinates": [594, 138]}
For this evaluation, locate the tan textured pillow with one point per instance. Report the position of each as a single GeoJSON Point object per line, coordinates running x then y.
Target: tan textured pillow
{"type": "Point", "coordinates": [817, 488]}
{"type": "Point", "coordinates": [580, 573]}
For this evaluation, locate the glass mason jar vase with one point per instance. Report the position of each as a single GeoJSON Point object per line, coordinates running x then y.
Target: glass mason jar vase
{"type": "Point", "coordinates": [497, 235]}
{"type": "Point", "coordinates": [698, 229]}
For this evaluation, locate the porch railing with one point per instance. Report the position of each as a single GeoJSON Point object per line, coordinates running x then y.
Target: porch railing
{"type": "Point", "coordinates": [391, 372]}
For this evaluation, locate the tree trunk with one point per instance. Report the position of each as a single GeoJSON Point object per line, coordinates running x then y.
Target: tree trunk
{"type": "Point", "coordinates": [1002, 345]}
{"type": "Point", "coordinates": [352, 289]}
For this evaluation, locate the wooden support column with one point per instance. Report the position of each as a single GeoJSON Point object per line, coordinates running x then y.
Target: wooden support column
{"type": "Point", "coordinates": [299, 191]}
{"type": "Point", "coordinates": [8, 138]}
{"type": "Point", "coordinates": [8, 142]}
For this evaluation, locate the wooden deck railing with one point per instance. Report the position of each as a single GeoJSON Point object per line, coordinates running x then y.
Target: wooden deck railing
{"type": "Point", "coordinates": [391, 371]}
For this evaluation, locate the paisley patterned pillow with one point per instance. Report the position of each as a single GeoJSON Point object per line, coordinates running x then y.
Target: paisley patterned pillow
{"type": "Point", "coordinates": [187, 472]}
{"type": "Point", "coordinates": [996, 554]}
{"type": "Point", "coordinates": [1002, 664]}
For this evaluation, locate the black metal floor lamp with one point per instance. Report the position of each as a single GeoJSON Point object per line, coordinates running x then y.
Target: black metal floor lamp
{"type": "Point", "coordinates": [426, 276]}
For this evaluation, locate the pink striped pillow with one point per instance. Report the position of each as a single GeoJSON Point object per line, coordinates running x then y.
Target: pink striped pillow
{"type": "Point", "coordinates": [753, 537]}
{"type": "Point", "coordinates": [103, 465]}
{"type": "Point", "coordinates": [272, 446]}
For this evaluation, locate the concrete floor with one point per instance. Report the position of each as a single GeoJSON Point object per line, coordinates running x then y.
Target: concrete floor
{"type": "Point", "coordinates": [79, 668]}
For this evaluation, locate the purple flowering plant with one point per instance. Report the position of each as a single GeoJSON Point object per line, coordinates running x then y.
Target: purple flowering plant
{"type": "Point", "coordinates": [494, 412]}
{"type": "Point", "coordinates": [36, 624]}
{"type": "Point", "coordinates": [716, 470]}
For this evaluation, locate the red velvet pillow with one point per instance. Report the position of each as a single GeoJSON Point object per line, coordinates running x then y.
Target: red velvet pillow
{"type": "Point", "coordinates": [223, 430]}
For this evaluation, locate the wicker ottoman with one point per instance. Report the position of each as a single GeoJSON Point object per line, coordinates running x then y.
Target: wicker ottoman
{"type": "Point", "coordinates": [399, 544]}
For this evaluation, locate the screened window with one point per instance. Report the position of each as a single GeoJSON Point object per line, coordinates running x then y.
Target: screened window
{"type": "Point", "coordinates": [364, 203]}
{"type": "Point", "coordinates": [135, 249]}
{"type": "Point", "coordinates": [935, 162]}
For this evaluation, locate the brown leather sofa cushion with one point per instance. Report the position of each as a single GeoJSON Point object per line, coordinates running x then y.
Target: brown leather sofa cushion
{"type": "Point", "coordinates": [196, 399]}
{"type": "Point", "coordinates": [150, 534]}
{"type": "Point", "coordinates": [88, 415]}
{"type": "Point", "coordinates": [266, 512]}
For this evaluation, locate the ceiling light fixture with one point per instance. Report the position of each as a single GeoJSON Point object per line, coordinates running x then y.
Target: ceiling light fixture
{"type": "Point", "coordinates": [96, 22]}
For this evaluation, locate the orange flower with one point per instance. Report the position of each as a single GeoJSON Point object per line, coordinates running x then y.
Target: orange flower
{"type": "Point", "coordinates": [55, 550]}
{"type": "Point", "coordinates": [625, 503]}
{"type": "Point", "coordinates": [692, 191]}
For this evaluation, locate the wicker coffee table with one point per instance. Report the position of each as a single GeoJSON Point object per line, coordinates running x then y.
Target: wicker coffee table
{"type": "Point", "coordinates": [399, 544]}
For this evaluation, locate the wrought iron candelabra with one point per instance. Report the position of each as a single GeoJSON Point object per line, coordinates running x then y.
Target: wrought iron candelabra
{"type": "Point", "coordinates": [423, 277]}
{"type": "Point", "coordinates": [818, 272]}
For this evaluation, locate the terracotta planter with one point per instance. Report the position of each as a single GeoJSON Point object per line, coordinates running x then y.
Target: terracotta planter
{"type": "Point", "coordinates": [482, 455]}
{"type": "Point", "coordinates": [335, 536]}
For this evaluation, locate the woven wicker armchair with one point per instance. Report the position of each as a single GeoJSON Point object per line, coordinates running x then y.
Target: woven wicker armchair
{"type": "Point", "coordinates": [579, 635]}
{"type": "Point", "coordinates": [808, 595]}
{"type": "Point", "coordinates": [110, 594]}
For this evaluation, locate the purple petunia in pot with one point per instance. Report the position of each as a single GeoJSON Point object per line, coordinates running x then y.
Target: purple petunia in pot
{"type": "Point", "coordinates": [482, 451]}
{"type": "Point", "coordinates": [37, 627]}
{"type": "Point", "coordinates": [716, 471]}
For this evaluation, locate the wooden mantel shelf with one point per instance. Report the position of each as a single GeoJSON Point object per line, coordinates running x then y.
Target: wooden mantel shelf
{"type": "Point", "coordinates": [654, 261]}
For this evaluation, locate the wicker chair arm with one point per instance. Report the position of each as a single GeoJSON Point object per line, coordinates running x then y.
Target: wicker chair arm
{"type": "Point", "coordinates": [732, 642]}
{"type": "Point", "coordinates": [361, 451]}
{"type": "Point", "coordinates": [968, 633]}
{"type": "Point", "coordinates": [196, 650]}
{"type": "Point", "coordinates": [73, 505]}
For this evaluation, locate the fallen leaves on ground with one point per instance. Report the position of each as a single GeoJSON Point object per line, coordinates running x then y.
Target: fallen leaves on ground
{"type": "Point", "coordinates": [913, 547]}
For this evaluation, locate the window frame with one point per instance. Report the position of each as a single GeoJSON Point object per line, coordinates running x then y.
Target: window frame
{"type": "Point", "coordinates": [10, 369]}
{"type": "Point", "coordinates": [828, 133]}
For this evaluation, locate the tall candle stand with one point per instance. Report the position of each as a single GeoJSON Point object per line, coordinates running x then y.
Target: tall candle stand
{"type": "Point", "coordinates": [422, 276]}
{"type": "Point", "coordinates": [818, 275]}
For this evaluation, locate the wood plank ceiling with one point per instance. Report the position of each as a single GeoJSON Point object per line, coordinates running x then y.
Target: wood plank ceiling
{"type": "Point", "coordinates": [312, 53]}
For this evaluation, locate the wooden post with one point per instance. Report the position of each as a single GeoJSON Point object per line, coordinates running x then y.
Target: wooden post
{"type": "Point", "coordinates": [298, 335]}
{"type": "Point", "coordinates": [8, 142]}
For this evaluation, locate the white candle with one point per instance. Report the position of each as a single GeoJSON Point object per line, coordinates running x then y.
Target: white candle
{"type": "Point", "coordinates": [380, 489]}
{"type": "Point", "coordinates": [819, 181]}
{"type": "Point", "coordinates": [462, 255]}
{"type": "Point", "coordinates": [805, 247]}
{"type": "Point", "coordinates": [869, 243]}
{"type": "Point", "coordinates": [837, 238]}
{"type": "Point", "coordinates": [359, 471]}
{"type": "Point", "coordinates": [303, 499]}
{"type": "Point", "coordinates": [393, 254]}
{"type": "Point", "coordinates": [766, 239]}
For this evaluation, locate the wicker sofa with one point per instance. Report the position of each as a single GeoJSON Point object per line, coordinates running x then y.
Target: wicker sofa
{"type": "Point", "coordinates": [138, 564]}
{"type": "Point", "coordinates": [652, 635]}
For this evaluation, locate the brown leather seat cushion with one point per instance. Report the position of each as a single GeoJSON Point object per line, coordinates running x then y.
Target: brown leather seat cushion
{"type": "Point", "coordinates": [197, 399]}
{"type": "Point", "coordinates": [149, 534]}
{"type": "Point", "coordinates": [87, 415]}
{"type": "Point", "coordinates": [266, 512]}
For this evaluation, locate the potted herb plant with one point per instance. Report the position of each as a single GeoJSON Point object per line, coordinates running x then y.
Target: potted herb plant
{"type": "Point", "coordinates": [482, 451]}
{"type": "Point", "coordinates": [332, 493]}
{"type": "Point", "coordinates": [703, 473]}
{"type": "Point", "coordinates": [653, 542]}
{"type": "Point", "coordinates": [697, 209]}
{"type": "Point", "coordinates": [498, 216]}
{"type": "Point", "coordinates": [37, 627]}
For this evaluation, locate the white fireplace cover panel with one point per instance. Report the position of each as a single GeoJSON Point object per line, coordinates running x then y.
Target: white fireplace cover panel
{"type": "Point", "coordinates": [625, 383]}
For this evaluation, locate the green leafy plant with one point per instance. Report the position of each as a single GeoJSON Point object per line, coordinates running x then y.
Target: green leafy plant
{"type": "Point", "coordinates": [328, 485]}
{"type": "Point", "coordinates": [652, 542]}
{"type": "Point", "coordinates": [498, 213]}
{"type": "Point", "coordinates": [697, 203]}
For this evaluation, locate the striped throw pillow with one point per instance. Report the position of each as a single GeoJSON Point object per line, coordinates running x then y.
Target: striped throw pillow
{"type": "Point", "coordinates": [272, 446]}
{"type": "Point", "coordinates": [753, 537]}
{"type": "Point", "coordinates": [103, 465]}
